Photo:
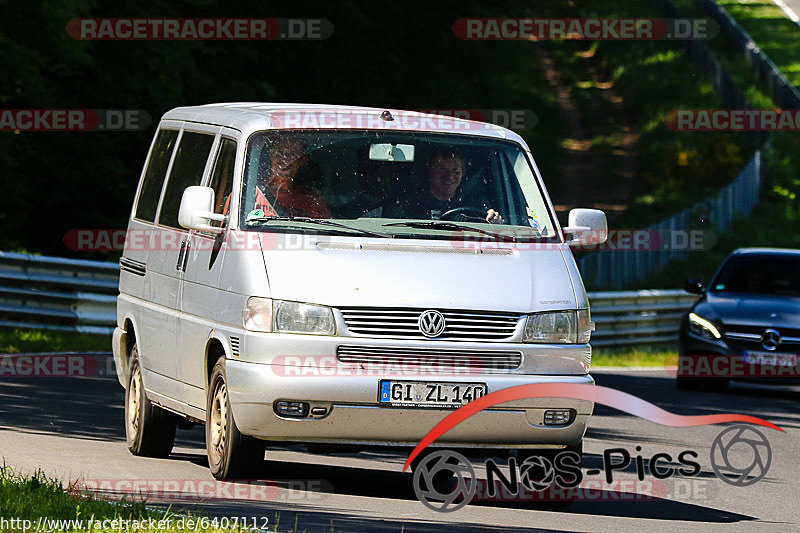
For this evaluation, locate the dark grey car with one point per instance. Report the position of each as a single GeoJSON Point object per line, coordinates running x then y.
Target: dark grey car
{"type": "Point", "coordinates": [746, 325]}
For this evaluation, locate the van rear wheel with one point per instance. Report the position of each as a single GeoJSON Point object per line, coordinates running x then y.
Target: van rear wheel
{"type": "Point", "coordinates": [231, 455]}
{"type": "Point", "coordinates": [149, 429]}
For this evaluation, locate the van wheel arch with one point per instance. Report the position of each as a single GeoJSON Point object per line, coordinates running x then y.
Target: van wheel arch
{"type": "Point", "coordinates": [130, 342]}
{"type": "Point", "coordinates": [214, 352]}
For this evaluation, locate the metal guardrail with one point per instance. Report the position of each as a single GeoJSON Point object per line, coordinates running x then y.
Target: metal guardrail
{"type": "Point", "coordinates": [629, 318]}
{"type": "Point", "coordinates": [55, 293]}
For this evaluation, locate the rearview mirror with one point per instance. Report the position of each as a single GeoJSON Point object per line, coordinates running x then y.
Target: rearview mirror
{"type": "Point", "coordinates": [694, 286]}
{"type": "Point", "coordinates": [197, 209]}
{"type": "Point", "coordinates": [589, 226]}
{"type": "Point", "coordinates": [400, 153]}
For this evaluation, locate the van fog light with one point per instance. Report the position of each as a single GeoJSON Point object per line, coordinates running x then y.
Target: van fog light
{"type": "Point", "coordinates": [291, 409]}
{"type": "Point", "coordinates": [557, 417]}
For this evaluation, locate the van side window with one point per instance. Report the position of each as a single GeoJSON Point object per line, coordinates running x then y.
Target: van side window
{"type": "Point", "coordinates": [187, 170]}
{"type": "Point", "coordinates": [153, 179]}
{"type": "Point", "coordinates": [222, 177]}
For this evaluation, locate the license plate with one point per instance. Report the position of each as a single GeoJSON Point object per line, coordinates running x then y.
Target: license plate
{"type": "Point", "coordinates": [770, 359]}
{"type": "Point", "coordinates": [427, 394]}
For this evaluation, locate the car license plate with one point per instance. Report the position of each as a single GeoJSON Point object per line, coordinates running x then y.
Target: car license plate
{"type": "Point", "coordinates": [426, 394]}
{"type": "Point", "coordinates": [770, 359]}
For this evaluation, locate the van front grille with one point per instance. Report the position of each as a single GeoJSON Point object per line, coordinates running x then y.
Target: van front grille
{"type": "Point", "coordinates": [460, 325]}
{"type": "Point", "coordinates": [403, 357]}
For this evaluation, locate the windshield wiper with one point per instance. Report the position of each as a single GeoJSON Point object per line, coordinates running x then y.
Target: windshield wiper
{"type": "Point", "coordinates": [321, 222]}
{"type": "Point", "coordinates": [451, 226]}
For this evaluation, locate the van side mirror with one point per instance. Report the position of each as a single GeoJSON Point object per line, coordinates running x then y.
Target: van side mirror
{"type": "Point", "coordinates": [589, 226]}
{"type": "Point", "coordinates": [197, 209]}
{"type": "Point", "coordinates": [694, 286]}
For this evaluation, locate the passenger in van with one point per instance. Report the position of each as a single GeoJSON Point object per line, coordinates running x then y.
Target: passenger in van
{"type": "Point", "coordinates": [286, 181]}
{"type": "Point", "coordinates": [445, 171]}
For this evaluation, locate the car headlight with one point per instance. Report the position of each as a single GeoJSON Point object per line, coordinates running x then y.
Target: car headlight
{"type": "Point", "coordinates": [266, 315]}
{"type": "Point", "coordinates": [559, 327]}
{"type": "Point", "coordinates": [702, 327]}
{"type": "Point", "coordinates": [294, 317]}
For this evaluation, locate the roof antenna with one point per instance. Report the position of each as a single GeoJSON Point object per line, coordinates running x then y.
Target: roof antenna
{"type": "Point", "coordinates": [386, 116]}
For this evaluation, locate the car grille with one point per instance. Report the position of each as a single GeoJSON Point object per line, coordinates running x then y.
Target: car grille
{"type": "Point", "coordinates": [402, 323]}
{"type": "Point", "coordinates": [426, 357]}
{"type": "Point", "coordinates": [750, 336]}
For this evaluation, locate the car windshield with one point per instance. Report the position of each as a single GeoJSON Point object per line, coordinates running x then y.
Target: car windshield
{"type": "Point", "coordinates": [387, 182]}
{"type": "Point", "coordinates": [770, 274]}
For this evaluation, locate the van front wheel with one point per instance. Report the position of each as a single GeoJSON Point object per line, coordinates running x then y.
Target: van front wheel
{"type": "Point", "coordinates": [231, 455]}
{"type": "Point", "coordinates": [149, 429]}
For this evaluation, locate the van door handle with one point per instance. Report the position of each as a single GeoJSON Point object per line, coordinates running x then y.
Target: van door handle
{"type": "Point", "coordinates": [186, 256]}
{"type": "Point", "coordinates": [179, 264]}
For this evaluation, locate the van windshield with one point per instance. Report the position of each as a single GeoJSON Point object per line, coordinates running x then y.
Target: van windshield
{"type": "Point", "coordinates": [390, 182]}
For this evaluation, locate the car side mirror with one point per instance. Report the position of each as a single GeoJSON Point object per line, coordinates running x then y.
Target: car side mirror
{"type": "Point", "coordinates": [589, 226]}
{"type": "Point", "coordinates": [197, 209]}
{"type": "Point", "coordinates": [694, 286]}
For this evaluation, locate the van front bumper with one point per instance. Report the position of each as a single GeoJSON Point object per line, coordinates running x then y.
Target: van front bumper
{"type": "Point", "coordinates": [354, 415]}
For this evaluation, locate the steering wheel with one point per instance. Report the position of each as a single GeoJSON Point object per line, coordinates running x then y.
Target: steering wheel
{"type": "Point", "coordinates": [461, 214]}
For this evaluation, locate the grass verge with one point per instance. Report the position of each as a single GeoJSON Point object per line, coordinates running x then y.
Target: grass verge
{"type": "Point", "coordinates": [632, 357]}
{"type": "Point", "coordinates": [774, 32]}
{"type": "Point", "coordinates": [21, 340]}
{"type": "Point", "coordinates": [40, 504]}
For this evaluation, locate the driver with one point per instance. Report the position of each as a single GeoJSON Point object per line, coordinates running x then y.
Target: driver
{"type": "Point", "coordinates": [445, 171]}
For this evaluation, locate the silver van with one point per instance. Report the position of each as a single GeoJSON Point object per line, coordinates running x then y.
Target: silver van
{"type": "Point", "coordinates": [347, 276]}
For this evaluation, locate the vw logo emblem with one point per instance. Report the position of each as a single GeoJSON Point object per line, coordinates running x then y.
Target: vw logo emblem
{"type": "Point", "coordinates": [431, 323]}
{"type": "Point", "coordinates": [770, 339]}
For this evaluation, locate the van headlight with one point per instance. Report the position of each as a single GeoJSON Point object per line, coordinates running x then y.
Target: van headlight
{"type": "Point", "coordinates": [294, 317]}
{"type": "Point", "coordinates": [266, 315]}
{"type": "Point", "coordinates": [572, 327]}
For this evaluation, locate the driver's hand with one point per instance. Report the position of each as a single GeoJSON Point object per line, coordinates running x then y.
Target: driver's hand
{"type": "Point", "coordinates": [493, 217]}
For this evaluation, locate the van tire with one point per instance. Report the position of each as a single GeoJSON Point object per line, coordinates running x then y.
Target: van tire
{"type": "Point", "coordinates": [231, 455]}
{"type": "Point", "coordinates": [149, 429]}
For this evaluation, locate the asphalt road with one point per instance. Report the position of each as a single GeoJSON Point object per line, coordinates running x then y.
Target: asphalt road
{"type": "Point", "coordinates": [72, 428]}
